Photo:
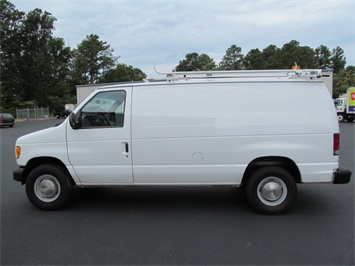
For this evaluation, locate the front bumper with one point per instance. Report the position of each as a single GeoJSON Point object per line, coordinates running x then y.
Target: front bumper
{"type": "Point", "coordinates": [341, 176]}
{"type": "Point", "coordinates": [19, 176]}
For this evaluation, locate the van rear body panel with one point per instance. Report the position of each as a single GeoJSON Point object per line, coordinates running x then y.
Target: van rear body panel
{"type": "Point", "coordinates": [197, 130]}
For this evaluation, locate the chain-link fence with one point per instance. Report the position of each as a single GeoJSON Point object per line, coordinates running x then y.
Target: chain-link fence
{"type": "Point", "coordinates": [32, 113]}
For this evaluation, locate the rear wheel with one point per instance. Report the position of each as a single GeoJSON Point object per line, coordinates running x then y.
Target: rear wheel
{"type": "Point", "coordinates": [48, 187]}
{"type": "Point", "coordinates": [271, 190]}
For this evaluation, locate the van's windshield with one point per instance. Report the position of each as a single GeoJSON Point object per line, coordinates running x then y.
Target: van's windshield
{"type": "Point", "coordinates": [338, 102]}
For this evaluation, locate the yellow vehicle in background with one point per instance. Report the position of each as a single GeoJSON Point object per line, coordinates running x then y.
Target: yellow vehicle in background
{"type": "Point", "coordinates": [345, 106]}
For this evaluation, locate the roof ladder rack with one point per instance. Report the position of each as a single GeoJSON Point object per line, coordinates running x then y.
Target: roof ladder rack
{"type": "Point", "coordinates": [283, 73]}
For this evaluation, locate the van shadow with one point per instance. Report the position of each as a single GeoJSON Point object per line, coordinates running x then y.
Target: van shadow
{"type": "Point", "coordinates": [115, 198]}
{"type": "Point", "coordinates": [178, 198]}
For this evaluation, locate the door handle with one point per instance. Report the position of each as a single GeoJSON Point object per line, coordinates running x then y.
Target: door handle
{"type": "Point", "coordinates": [125, 149]}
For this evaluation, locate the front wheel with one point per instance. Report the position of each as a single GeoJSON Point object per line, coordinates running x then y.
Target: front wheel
{"type": "Point", "coordinates": [48, 187]}
{"type": "Point", "coordinates": [271, 190]}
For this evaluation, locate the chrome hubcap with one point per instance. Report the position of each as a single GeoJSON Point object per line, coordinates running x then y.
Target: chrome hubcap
{"type": "Point", "coordinates": [47, 188]}
{"type": "Point", "coordinates": [272, 191]}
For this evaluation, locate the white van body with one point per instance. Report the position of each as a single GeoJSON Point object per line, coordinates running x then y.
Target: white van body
{"type": "Point", "coordinates": [211, 131]}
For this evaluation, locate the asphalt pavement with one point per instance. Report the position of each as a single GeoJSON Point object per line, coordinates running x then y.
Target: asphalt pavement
{"type": "Point", "coordinates": [175, 225]}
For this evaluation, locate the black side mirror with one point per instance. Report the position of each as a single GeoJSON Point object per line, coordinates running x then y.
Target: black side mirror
{"type": "Point", "coordinates": [74, 120]}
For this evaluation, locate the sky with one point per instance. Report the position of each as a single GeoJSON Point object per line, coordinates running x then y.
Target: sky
{"type": "Point", "coordinates": [144, 33]}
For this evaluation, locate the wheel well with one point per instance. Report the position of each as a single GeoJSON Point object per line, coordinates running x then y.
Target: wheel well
{"type": "Point", "coordinates": [283, 162]}
{"type": "Point", "coordinates": [33, 163]}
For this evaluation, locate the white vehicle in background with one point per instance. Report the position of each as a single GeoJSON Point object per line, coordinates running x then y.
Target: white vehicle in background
{"type": "Point", "coordinates": [193, 129]}
{"type": "Point", "coordinates": [345, 106]}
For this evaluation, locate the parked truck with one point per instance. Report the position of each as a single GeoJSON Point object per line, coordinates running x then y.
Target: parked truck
{"type": "Point", "coordinates": [345, 106]}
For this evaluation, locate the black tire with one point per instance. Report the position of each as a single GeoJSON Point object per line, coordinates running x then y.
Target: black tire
{"type": "Point", "coordinates": [271, 190]}
{"type": "Point", "coordinates": [341, 117]}
{"type": "Point", "coordinates": [49, 187]}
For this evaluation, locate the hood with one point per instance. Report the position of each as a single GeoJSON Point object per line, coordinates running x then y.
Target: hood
{"type": "Point", "coordinates": [48, 135]}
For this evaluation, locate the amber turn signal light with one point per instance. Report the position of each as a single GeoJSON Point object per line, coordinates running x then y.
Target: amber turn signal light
{"type": "Point", "coordinates": [18, 152]}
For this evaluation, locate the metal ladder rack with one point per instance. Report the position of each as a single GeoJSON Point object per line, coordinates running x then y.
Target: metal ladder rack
{"type": "Point", "coordinates": [283, 73]}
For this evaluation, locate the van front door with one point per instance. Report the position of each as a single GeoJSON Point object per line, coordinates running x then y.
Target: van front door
{"type": "Point", "coordinates": [99, 146]}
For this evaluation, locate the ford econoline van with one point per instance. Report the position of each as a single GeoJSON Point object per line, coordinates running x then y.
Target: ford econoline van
{"type": "Point", "coordinates": [261, 130]}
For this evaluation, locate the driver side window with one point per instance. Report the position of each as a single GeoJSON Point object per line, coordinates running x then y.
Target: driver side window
{"type": "Point", "coordinates": [105, 109]}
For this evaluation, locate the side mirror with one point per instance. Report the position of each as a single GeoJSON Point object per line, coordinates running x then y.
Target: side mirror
{"type": "Point", "coordinates": [74, 120]}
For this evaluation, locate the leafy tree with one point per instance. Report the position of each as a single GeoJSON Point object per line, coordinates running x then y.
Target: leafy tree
{"type": "Point", "coordinates": [37, 67]}
{"type": "Point", "coordinates": [190, 63]}
{"type": "Point", "coordinates": [10, 52]}
{"type": "Point", "coordinates": [92, 59]}
{"type": "Point", "coordinates": [343, 80]}
{"type": "Point", "coordinates": [272, 55]}
{"type": "Point", "coordinates": [60, 91]}
{"type": "Point", "coordinates": [206, 62]}
{"type": "Point", "coordinates": [323, 57]}
{"type": "Point", "coordinates": [233, 59]}
{"type": "Point", "coordinates": [292, 53]}
{"type": "Point", "coordinates": [338, 59]}
{"type": "Point", "coordinates": [123, 73]}
{"type": "Point", "coordinates": [254, 60]}
{"type": "Point", "coordinates": [196, 62]}
{"type": "Point", "coordinates": [268, 58]}
{"type": "Point", "coordinates": [33, 62]}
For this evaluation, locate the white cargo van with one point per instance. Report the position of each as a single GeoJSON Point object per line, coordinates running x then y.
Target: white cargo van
{"type": "Point", "coordinates": [261, 130]}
